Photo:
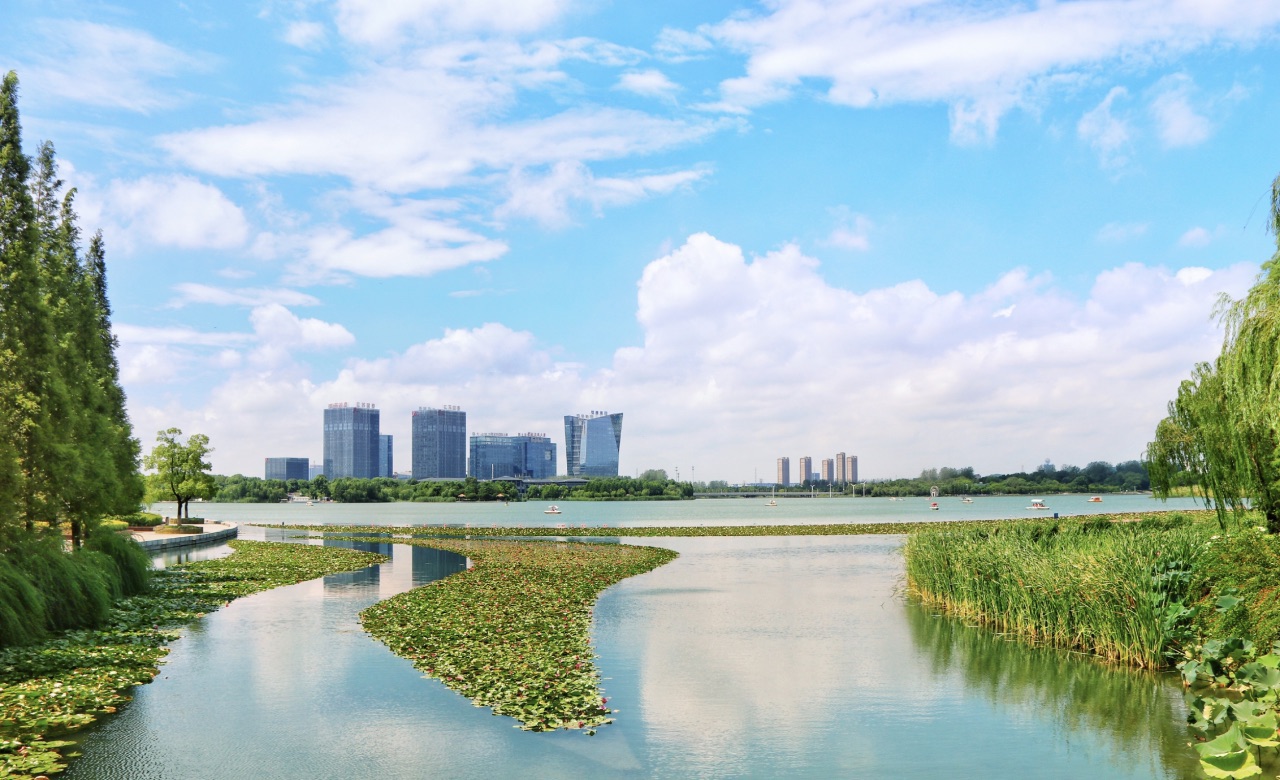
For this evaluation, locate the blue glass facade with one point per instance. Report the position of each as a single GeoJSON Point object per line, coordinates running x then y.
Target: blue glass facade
{"type": "Point", "coordinates": [439, 443]}
{"type": "Point", "coordinates": [592, 443]}
{"type": "Point", "coordinates": [385, 466]}
{"type": "Point", "coordinates": [351, 438]}
{"type": "Point", "coordinates": [288, 468]}
{"type": "Point", "coordinates": [499, 456]}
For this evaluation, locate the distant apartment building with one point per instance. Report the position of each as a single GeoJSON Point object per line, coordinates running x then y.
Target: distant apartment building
{"type": "Point", "coordinates": [439, 443]}
{"type": "Point", "coordinates": [288, 468]}
{"type": "Point", "coordinates": [784, 471]}
{"type": "Point", "coordinates": [851, 469]}
{"type": "Point", "coordinates": [806, 469]}
{"type": "Point", "coordinates": [841, 474]}
{"type": "Point", "coordinates": [351, 438]}
{"type": "Point", "coordinates": [385, 444]}
{"type": "Point", "coordinates": [591, 444]}
{"type": "Point", "coordinates": [523, 456]}
{"type": "Point", "coordinates": [828, 472]}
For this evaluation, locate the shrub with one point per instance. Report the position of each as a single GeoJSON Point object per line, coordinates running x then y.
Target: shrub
{"type": "Point", "coordinates": [132, 565]}
{"type": "Point", "coordinates": [139, 520]}
{"type": "Point", "coordinates": [179, 529]}
{"type": "Point", "coordinates": [22, 608]}
{"type": "Point", "coordinates": [111, 524]}
{"type": "Point", "coordinates": [77, 587]}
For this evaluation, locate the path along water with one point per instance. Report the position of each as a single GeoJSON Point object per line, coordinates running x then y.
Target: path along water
{"type": "Point", "coordinates": [745, 657]}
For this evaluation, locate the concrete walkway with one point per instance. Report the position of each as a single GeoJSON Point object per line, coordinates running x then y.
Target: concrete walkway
{"type": "Point", "coordinates": [213, 532]}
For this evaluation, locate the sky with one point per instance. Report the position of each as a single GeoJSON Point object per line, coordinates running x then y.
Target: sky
{"type": "Point", "coordinates": [925, 233]}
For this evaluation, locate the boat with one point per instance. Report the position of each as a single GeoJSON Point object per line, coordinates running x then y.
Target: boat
{"type": "Point", "coordinates": [1037, 503]}
{"type": "Point", "coordinates": [309, 503]}
{"type": "Point", "coordinates": [1095, 499]}
{"type": "Point", "coordinates": [933, 505]}
{"type": "Point", "coordinates": [551, 510]}
{"type": "Point", "coordinates": [966, 500]}
{"type": "Point", "coordinates": [772, 503]}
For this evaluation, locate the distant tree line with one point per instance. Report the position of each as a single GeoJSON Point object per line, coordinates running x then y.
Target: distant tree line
{"type": "Point", "coordinates": [1097, 477]}
{"type": "Point", "coordinates": [346, 490]}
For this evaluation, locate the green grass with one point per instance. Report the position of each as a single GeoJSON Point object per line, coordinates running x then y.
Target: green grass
{"type": "Point", "coordinates": [513, 632]}
{"type": "Point", "coordinates": [1114, 590]}
{"type": "Point", "coordinates": [49, 690]}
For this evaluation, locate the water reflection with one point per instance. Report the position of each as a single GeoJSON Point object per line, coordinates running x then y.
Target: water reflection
{"type": "Point", "coordinates": [165, 558]}
{"type": "Point", "coordinates": [1139, 714]}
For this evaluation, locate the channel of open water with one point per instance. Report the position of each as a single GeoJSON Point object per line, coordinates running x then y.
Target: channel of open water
{"type": "Point", "coordinates": [745, 657]}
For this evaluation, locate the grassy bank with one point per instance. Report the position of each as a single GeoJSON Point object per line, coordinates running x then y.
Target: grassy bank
{"type": "Point", "coordinates": [513, 632]}
{"type": "Point", "coordinates": [50, 689]}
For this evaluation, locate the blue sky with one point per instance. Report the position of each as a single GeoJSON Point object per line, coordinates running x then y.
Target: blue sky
{"type": "Point", "coordinates": [925, 233]}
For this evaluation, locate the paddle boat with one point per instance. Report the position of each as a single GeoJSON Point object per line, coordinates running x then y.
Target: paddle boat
{"type": "Point", "coordinates": [551, 510]}
{"type": "Point", "coordinates": [1037, 503]}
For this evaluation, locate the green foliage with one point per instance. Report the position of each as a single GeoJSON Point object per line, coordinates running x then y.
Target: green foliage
{"type": "Point", "coordinates": [1233, 695]}
{"type": "Point", "coordinates": [65, 683]}
{"type": "Point", "coordinates": [1097, 477]}
{"type": "Point", "coordinates": [1221, 426]}
{"type": "Point", "coordinates": [513, 632]}
{"type": "Point", "coordinates": [1115, 590]}
{"type": "Point", "coordinates": [77, 588]}
{"type": "Point", "coordinates": [22, 607]}
{"type": "Point", "coordinates": [139, 520]}
{"type": "Point", "coordinates": [181, 528]}
{"type": "Point", "coordinates": [131, 563]}
{"type": "Point", "coordinates": [249, 490]}
{"type": "Point", "coordinates": [182, 473]}
{"type": "Point", "coordinates": [1243, 565]}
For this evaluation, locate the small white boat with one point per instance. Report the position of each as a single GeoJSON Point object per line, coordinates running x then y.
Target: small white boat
{"type": "Point", "coordinates": [1037, 503]}
{"type": "Point", "coordinates": [551, 510]}
{"type": "Point", "coordinates": [966, 500]}
{"type": "Point", "coordinates": [310, 504]}
{"type": "Point", "coordinates": [772, 503]}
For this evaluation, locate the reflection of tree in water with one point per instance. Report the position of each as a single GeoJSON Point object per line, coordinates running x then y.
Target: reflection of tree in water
{"type": "Point", "coordinates": [1140, 713]}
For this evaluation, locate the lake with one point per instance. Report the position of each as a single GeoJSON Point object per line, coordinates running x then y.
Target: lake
{"type": "Point", "coordinates": [746, 657]}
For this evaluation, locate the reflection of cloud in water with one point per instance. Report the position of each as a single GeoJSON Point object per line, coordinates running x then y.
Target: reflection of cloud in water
{"type": "Point", "coordinates": [755, 636]}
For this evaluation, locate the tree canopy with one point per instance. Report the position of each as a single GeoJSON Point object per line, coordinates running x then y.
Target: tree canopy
{"type": "Point", "coordinates": [182, 471]}
{"type": "Point", "coordinates": [1222, 427]}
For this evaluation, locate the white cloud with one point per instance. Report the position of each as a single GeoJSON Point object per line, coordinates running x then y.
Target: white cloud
{"type": "Point", "coordinates": [409, 247]}
{"type": "Point", "coordinates": [675, 45]}
{"type": "Point", "coordinates": [102, 65]}
{"type": "Point", "coordinates": [378, 23]}
{"type": "Point", "coordinates": [1119, 232]}
{"type": "Point", "coordinates": [1108, 134]}
{"type": "Point", "coordinates": [549, 198]}
{"type": "Point", "coordinates": [140, 334]}
{"type": "Point", "coordinates": [1196, 238]}
{"type": "Point", "coordinates": [745, 359]}
{"type": "Point", "coordinates": [274, 324]}
{"type": "Point", "coordinates": [190, 292]}
{"type": "Point", "coordinates": [852, 231]}
{"type": "Point", "coordinates": [305, 35]}
{"type": "Point", "coordinates": [649, 83]}
{"type": "Point", "coordinates": [981, 59]}
{"type": "Point", "coordinates": [1178, 124]}
{"type": "Point", "coordinates": [164, 210]}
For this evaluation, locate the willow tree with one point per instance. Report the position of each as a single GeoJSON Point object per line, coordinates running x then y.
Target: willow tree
{"type": "Point", "coordinates": [1224, 426]}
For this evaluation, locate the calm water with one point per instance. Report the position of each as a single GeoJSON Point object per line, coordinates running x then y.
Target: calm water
{"type": "Point", "coordinates": [727, 511]}
{"type": "Point", "coordinates": [745, 657]}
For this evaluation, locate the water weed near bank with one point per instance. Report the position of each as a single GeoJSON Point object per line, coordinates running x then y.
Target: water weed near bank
{"type": "Point", "coordinates": [51, 689]}
{"type": "Point", "coordinates": [513, 632]}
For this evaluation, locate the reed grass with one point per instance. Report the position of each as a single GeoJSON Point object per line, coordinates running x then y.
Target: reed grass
{"type": "Point", "coordinates": [1113, 590]}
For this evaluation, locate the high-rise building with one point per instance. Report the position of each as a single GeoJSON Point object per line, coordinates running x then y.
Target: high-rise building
{"type": "Point", "coordinates": [828, 470]}
{"type": "Point", "coordinates": [287, 468]}
{"type": "Point", "coordinates": [591, 444]}
{"type": "Point", "coordinates": [439, 443]}
{"type": "Point", "coordinates": [806, 469]}
{"type": "Point", "coordinates": [784, 471]}
{"type": "Point", "coordinates": [499, 456]}
{"type": "Point", "coordinates": [385, 444]}
{"type": "Point", "coordinates": [351, 441]}
{"type": "Point", "coordinates": [842, 476]}
{"type": "Point", "coordinates": [851, 468]}
{"type": "Point", "coordinates": [314, 470]}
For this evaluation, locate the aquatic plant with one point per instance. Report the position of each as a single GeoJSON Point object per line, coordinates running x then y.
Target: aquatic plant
{"type": "Point", "coordinates": [1233, 693]}
{"type": "Point", "coordinates": [51, 689]}
{"type": "Point", "coordinates": [513, 632]}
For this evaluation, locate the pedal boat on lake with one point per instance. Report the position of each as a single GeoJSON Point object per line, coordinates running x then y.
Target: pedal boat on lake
{"type": "Point", "coordinates": [966, 500]}
{"type": "Point", "coordinates": [1037, 503]}
{"type": "Point", "coordinates": [1095, 499]}
{"type": "Point", "coordinates": [934, 506]}
{"type": "Point", "coordinates": [551, 510]}
{"type": "Point", "coordinates": [772, 503]}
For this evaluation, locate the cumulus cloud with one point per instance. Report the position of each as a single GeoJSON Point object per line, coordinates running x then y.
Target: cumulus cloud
{"type": "Point", "coordinates": [980, 59]}
{"type": "Point", "coordinates": [170, 210]}
{"type": "Point", "coordinates": [304, 34]}
{"type": "Point", "coordinates": [377, 23]}
{"type": "Point", "coordinates": [744, 359]}
{"type": "Point", "coordinates": [851, 232]}
{"type": "Point", "coordinates": [1108, 134]}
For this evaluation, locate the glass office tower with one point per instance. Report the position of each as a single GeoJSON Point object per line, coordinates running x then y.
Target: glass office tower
{"type": "Point", "coordinates": [591, 444]}
{"type": "Point", "coordinates": [288, 468]}
{"type": "Point", "coordinates": [499, 456]}
{"type": "Point", "coordinates": [351, 441]}
{"type": "Point", "coordinates": [439, 443]}
{"type": "Point", "coordinates": [385, 465]}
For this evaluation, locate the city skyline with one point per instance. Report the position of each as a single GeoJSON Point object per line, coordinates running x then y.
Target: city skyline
{"type": "Point", "coordinates": [949, 227]}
